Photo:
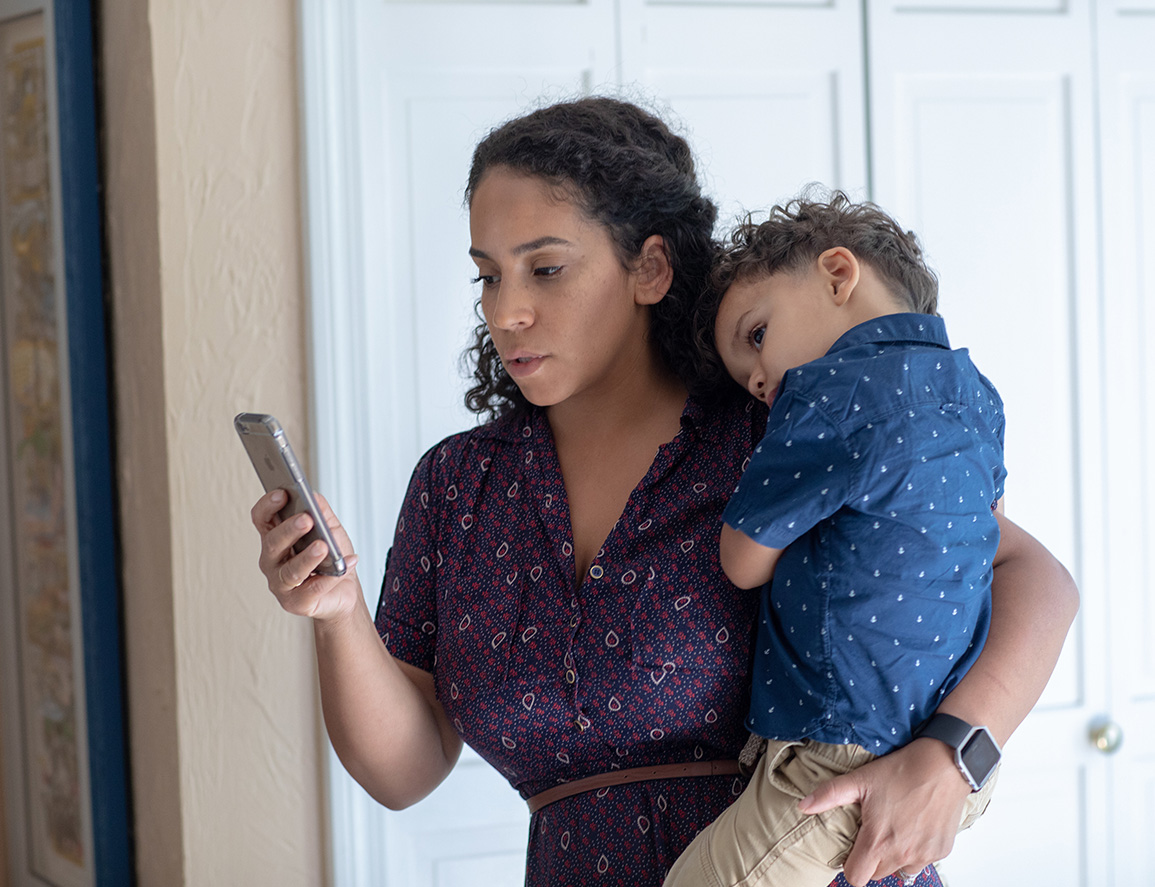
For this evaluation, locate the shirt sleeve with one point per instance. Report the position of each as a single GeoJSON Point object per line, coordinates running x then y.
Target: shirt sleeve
{"type": "Point", "coordinates": [407, 609]}
{"type": "Point", "coordinates": [800, 473]}
{"type": "Point", "coordinates": [997, 424]}
{"type": "Point", "coordinates": [1000, 469]}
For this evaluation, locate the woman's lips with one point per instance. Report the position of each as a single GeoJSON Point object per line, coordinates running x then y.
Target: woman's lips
{"type": "Point", "coordinates": [521, 364]}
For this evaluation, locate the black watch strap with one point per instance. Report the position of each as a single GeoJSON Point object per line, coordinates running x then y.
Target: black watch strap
{"type": "Point", "coordinates": [945, 728]}
{"type": "Point", "coordinates": [976, 754]}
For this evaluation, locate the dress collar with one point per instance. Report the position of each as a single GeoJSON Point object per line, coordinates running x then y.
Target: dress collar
{"type": "Point", "coordinates": [696, 421]}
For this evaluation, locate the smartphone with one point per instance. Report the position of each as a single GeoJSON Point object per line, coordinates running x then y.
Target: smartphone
{"type": "Point", "coordinates": [268, 447]}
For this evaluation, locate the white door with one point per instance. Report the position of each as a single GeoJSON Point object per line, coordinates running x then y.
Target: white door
{"type": "Point", "coordinates": [978, 129]}
{"type": "Point", "coordinates": [984, 143]}
{"type": "Point", "coordinates": [1126, 30]}
{"type": "Point", "coordinates": [990, 133]}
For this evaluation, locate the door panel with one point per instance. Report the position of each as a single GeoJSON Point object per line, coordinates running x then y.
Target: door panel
{"type": "Point", "coordinates": [767, 112]}
{"type": "Point", "coordinates": [1127, 138]}
{"type": "Point", "coordinates": [984, 144]}
{"type": "Point", "coordinates": [759, 169]}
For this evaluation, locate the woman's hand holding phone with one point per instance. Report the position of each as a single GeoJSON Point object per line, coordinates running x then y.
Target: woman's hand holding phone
{"type": "Point", "coordinates": [290, 576]}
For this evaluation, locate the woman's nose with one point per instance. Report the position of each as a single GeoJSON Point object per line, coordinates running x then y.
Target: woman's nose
{"type": "Point", "coordinates": [512, 307]}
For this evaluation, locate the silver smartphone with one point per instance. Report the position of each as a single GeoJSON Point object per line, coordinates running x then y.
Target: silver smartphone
{"type": "Point", "coordinates": [268, 447]}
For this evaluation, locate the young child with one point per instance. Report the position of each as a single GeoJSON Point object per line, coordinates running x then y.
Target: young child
{"type": "Point", "coordinates": [870, 501]}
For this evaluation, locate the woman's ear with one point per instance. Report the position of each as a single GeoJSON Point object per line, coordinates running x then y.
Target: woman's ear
{"type": "Point", "coordinates": [654, 274]}
{"type": "Point", "coordinates": [840, 273]}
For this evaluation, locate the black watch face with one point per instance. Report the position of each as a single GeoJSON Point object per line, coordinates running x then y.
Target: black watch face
{"type": "Point", "coordinates": [980, 756]}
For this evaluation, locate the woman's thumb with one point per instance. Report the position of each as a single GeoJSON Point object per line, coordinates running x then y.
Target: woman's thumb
{"type": "Point", "coordinates": [836, 792]}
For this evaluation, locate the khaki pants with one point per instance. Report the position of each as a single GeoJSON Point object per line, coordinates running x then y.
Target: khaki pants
{"type": "Point", "coordinates": [762, 838]}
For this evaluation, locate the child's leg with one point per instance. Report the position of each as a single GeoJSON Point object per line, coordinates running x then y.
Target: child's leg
{"type": "Point", "coordinates": [977, 803]}
{"type": "Point", "coordinates": [762, 838]}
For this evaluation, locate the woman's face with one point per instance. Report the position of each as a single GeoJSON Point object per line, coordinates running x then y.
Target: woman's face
{"type": "Point", "coordinates": [560, 307]}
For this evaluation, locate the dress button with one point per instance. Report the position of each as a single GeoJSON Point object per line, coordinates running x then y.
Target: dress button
{"type": "Point", "coordinates": [570, 675]}
{"type": "Point", "coordinates": [596, 571]}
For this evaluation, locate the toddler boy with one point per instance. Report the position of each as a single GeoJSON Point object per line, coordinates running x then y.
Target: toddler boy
{"type": "Point", "coordinates": [870, 503]}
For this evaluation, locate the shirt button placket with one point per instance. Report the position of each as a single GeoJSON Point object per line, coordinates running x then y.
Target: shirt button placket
{"type": "Point", "coordinates": [570, 672]}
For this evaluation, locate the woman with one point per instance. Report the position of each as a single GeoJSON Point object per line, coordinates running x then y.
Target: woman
{"type": "Point", "coordinates": [553, 595]}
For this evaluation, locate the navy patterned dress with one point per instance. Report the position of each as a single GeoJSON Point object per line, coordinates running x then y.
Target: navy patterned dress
{"type": "Point", "coordinates": [645, 662]}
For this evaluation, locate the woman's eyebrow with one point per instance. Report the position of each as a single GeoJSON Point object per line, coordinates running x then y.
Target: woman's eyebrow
{"type": "Point", "coordinates": [548, 240]}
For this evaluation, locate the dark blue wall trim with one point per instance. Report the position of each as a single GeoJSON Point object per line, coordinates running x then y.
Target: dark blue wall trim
{"type": "Point", "coordinates": [92, 440]}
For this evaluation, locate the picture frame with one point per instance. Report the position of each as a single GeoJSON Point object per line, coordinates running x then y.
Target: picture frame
{"type": "Point", "coordinates": [62, 742]}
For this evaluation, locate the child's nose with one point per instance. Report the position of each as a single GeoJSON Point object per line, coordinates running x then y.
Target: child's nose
{"type": "Point", "coordinates": [756, 384]}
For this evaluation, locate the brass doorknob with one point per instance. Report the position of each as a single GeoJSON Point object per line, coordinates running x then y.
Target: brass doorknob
{"type": "Point", "coordinates": [1106, 736]}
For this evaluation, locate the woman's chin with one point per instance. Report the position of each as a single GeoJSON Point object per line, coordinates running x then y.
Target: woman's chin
{"type": "Point", "coordinates": [537, 394]}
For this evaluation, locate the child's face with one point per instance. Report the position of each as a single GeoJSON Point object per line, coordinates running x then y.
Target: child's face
{"type": "Point", "coordinates": [768, 324]}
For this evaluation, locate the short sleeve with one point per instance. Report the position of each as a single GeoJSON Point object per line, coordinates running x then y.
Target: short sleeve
{"type": "Point", "coordinates": [995, 424]}
{"type": "Point", "coordinates": [1000, 468]}
{"type": "Point", "coordinates": [800, 473]}
{"type": "Point", "coordinates": [407, 609]}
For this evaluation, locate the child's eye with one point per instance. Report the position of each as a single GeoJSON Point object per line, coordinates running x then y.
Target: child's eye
{"type": "Point", "coordinates": [756, 336]}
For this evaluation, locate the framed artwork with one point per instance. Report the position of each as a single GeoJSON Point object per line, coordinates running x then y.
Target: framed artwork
{"type": "Point", "coordinates": [63, 735]}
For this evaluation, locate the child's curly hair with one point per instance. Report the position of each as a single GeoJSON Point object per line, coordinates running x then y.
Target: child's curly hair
{"type": "Point", "coordinates": [794, 235]}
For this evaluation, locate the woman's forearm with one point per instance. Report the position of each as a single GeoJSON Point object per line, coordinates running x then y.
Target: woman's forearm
{"type": "Point", "coordinates": [382, 715]}
{"type": "Point", "coordinates": [1033, 603]}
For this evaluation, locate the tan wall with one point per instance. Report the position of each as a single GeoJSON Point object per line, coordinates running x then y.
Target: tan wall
{"type": "Point", "coordinates": [204, 226]}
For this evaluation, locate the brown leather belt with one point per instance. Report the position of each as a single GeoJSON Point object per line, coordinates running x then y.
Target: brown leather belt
{"type": "Point", "coordinates": [631, 774]}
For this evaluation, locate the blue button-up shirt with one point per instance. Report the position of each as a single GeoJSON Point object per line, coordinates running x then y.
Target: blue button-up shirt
{"type": "Point", "coordinates": [878, 474]}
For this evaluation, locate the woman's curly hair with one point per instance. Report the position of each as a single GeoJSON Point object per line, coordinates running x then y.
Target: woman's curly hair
{"type": "Point", "coordinates": [624, 168]}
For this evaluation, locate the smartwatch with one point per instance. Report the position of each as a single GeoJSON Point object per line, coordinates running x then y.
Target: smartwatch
{"type": "Point", "coordinates": [976, 754]}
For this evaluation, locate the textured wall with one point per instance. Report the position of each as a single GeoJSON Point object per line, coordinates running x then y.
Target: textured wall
{"type": "Point", "coordinates": [204, 222]}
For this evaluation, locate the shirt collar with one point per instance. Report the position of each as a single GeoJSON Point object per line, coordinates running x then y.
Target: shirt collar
{"type": "Point", "coordinates": [895, 329]}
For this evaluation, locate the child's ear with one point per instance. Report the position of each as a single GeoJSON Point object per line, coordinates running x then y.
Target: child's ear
{"type": "Point", "coordinates": [840, 272]}
{"type": "Point", "coordinates": [653, 274]}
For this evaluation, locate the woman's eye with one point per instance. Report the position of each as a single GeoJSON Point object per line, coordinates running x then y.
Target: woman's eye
{"type": "Point", "coordinates": [547, 270]}
{"type": "Point", "coordinates": [756, 336]}
{"type": "Point", "coordinates": [486, 280]}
